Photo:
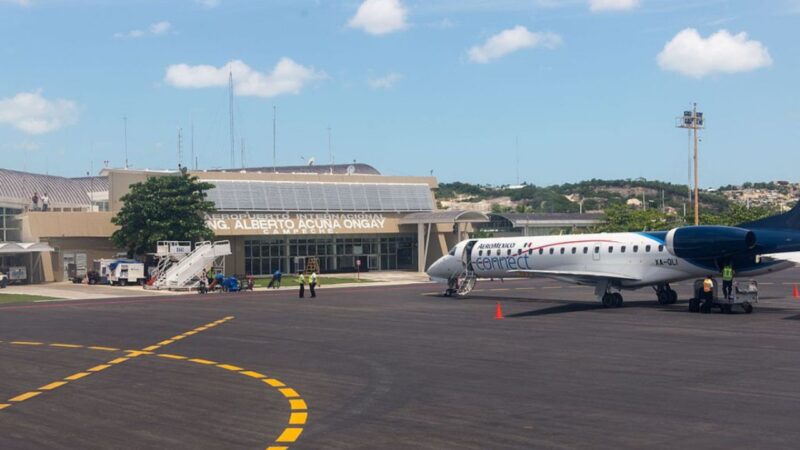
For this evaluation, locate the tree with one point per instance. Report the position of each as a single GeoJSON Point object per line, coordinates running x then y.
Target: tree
{"type": "Point", "coordinates": [164, 208]}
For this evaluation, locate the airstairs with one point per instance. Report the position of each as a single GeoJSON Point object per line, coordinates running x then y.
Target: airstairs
{"type": "Point", "coordinates": [181, 269]}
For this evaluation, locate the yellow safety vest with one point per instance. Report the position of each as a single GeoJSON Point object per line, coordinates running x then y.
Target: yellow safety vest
{"type": "Point", "coordinates": [727, 273]}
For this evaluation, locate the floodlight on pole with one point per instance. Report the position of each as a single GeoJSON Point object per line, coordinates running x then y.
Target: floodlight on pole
{"type": "Point", "coordinates": [693, 120]}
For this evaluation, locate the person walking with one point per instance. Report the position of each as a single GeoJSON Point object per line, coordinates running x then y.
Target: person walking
{"type": "Point", "coordinates": [276, 279]}
{"type": "Point", "coordinates": [45, 202]}
{"type": "Point", "coordinates": [35, 201]}
{"type": "Point", "coordinates": [727, 280]}
{"type": "Point", "coordinates": [301, 281]}
{"type": "Point", "coordinates": [312, 284]}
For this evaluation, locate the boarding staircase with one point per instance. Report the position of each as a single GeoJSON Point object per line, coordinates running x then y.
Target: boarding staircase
{"type": "Point", "coordinates": [181, 270]}
{"type": "Point", "coordinates": [466, 282]}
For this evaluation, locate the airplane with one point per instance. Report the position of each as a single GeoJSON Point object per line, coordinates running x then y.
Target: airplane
{"type": "Point", "coordinates": [613, 262]}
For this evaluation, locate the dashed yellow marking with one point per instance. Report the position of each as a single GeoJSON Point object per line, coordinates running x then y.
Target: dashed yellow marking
{"type": "Point", "coordinates": [118, 360]}
{"type": "Point", "coordinates": [250, 373]}
{"type": "Point", "coordinates": [4, 405]}
{"type": "Point", "coordinates": [53, 385]}
{"type": "Point", "coordinates": [105, 349]}
{"type": "Point", "coordinates": [77, 376]}
{"type": "Point", "coordinates": [289, 393]}
{"type": "Point", "coordinates": [165, 342]}
{"type": "Point", "coordinates": [189, 333]}
{"type": "Point", "coordinates": [169, 356]}
{"type": "Point", "coordinates": [66, 345]}
{"type": "Point", "coordinates": [298, 418]}
{"type": "Point", "coordinates": [202, 361]}
{"type": "Point", "coordinates": [177, 338]}
{"type": "Point", "coordinates": [277, 448]}
{"type": "Point", "coordinates": [289, 435]}
{"type": "Point", "coordinates": [99, 368]}
{"type": "Point", "coordinates": [25, 396]}
{"type": "Point", "coordinates": [273, 382]}
{"type": "Point", "coordinates": [25, 343]}
{"type": "Point", "coordinates": [151, 348]}
{"type": "Point", "coordinates": [298, 403]}
{"type": "Point", "coordinates": [229, 367]}
{"type": "Point", "coordinates": [135, 353]}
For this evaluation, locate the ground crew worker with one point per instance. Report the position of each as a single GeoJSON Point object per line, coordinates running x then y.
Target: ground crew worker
{"type": "Point", "coordinates": [727, 280]}
{"type": "Point", "coordinates": [312, 283]}
{"type": "Point", "coordinates": [301, 281]}
{"type": "Point", "coordinates": [708, 291]}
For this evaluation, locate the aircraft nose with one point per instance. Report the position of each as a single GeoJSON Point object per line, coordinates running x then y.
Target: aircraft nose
{"type": "Point", "coordinates": [437, 269]}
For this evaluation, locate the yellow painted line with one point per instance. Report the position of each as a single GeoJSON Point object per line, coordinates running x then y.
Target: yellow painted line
{"type": "Point", "coordinates": [118, 360]}
{"type": "Point", "coordinates": [169, 356]}
{"type": "Point", "coordinates": [298, 418]}
{"type": "Point", "coordinates": [52, 385]}
{"type": "Point", "coordinates": [77, 376]}
{"type": "Point", "coordinates": [277, 448]}
{"type": "Point", "coordinates": [289, 435]}
{"type": "Point", "coordinates": [202, 361]}
{"type": "Point", "coordinates": [166, 342]}
{"type": "Point", "coordinates": [289, 392]}
{"type": "Point", "coordinates": [25, 396]}
{"type": "Point", "coordinates": [99, 368]}
{"type": "Point", "coordinates": [229, 367]}
{"type": "Point", "coordinates": [273, 382]}
{"type": "Point", "coordinates": [178, 337]}
{"type": "Point", "coordinates": [25, 343]}
{"type": "Point", "coordinates": [152, 347]}
{"type": "Point", "coordinates": [135, 353]}
{"type": "Point", "coordinates": [250, 373]}
{"type": "Point", "coordinates": [4, 405]}
{"type": "Point", "coordinates": [189, 333]}
{"type": "Point", "coordinates": [105, 349]}
{"type": "Point", "coordinates": [298, 403]}
{"type": "Point", "coordinates": [66, 345]}
{"type": "Point", "coordinates": [229, 318]}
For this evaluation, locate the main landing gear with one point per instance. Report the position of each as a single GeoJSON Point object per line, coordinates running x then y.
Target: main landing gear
{"type": "Point", "coordinates": [665, 294]}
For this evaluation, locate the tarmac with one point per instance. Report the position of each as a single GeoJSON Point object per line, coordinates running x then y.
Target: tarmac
{"type": "Point", "coordinates": [397, 366]}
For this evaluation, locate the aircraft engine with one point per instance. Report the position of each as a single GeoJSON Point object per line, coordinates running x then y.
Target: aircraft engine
{"type": "Point", "coordinates": [709, 241]}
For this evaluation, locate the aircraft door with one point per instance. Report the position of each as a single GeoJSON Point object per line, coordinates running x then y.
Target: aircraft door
{"type": "Point", "coordinates": [466, 256]}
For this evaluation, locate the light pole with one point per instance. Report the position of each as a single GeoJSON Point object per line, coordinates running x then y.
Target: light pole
{"type": "Point", "coordinates": [693, 120]}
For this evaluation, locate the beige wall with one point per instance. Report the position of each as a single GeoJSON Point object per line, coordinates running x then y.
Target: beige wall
{"type": "Point", "coordinates": [95, 248]}
{"type": "Point", "coordinates": [42, 225]}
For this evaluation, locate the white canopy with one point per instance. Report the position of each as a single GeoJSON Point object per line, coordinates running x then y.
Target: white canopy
{"type": "Point", "coordinates": [25, 247]}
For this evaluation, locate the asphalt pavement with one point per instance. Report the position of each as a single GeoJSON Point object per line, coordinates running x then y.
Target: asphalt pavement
{"type": "Point", "coordinates": [388, 367]}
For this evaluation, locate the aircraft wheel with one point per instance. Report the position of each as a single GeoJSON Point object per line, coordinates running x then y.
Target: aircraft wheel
{"type": "Point", "coordinates": [663, 298]}
{"type": "Point", "coordinates": [727, 309]}
{"type": "Point", "coordinates": [748, 308]}
{"type": "Point", "coordinates": [617, 299]}
{"type": "Point", "coordinates": [673, 296]}
{"type": "Point", "coordinates": [608, 300]}
{"type": "Point", "coordinates": [694, 305]}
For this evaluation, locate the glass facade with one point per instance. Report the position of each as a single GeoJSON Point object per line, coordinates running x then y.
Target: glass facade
{"type": "Point", "coordinates": [263, 256]}
{"type": "Point", "coordinates": [9, 225]}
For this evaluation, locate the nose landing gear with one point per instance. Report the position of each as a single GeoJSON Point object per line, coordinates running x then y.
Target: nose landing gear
{"type": "Point", "coordinates": [612, 299]}
{"type": "Point", "coordinates": [461, 285]}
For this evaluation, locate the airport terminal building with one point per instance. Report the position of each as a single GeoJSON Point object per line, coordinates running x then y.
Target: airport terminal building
{"type": "Point", "coordinates": [348, 216]}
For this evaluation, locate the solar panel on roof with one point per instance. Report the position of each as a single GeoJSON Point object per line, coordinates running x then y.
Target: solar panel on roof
{"type": "Point", "coordinates": [230, 195]}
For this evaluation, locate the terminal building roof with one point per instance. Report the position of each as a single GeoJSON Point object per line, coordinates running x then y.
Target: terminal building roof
{"type": "Point", "coordinates": [17, 188]}
{"type": "Point", "coordinates": [336, 169]}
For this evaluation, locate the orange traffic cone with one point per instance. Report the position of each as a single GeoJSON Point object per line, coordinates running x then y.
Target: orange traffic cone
{"type": "Point", "coordinates": [498, 312]}
{"type": "Point", "coordinates": [795, 293]}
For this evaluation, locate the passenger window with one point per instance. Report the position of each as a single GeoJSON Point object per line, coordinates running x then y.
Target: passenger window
{"type": "Point", "coordinates": [646, 248]}
{"type": "Point", "coordinates": [597, 249]}
{"type": "Point", "coordinates": [585, 250]}
{"type": "Point", "coordinates": [541, 251]}
{"type": "Point", "coordinates": [635, 249]}
{"type": "Point", "coordinates": [661, 248]}
{"type": "Point", "coordinates": [480, 252]}
{"type": "Point", "coordinates": [562, 250]}
{"type": "Point", "coordinates": [508, 253]}
{"type": "Point", "coordinates": [610, 249]}
{"type": "Point", "coordinates": [551, 250]}
{"type": "Point", "coordinates": [498, 252]}
{"type": "Point", "coordinates": [530, 251]}
{"type": "Point", "coordinates": [574, 250]}
{"type": "Point", "coordinates": [622, 249]}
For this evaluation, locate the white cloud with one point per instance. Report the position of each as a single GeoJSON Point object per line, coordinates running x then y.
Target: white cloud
{"type": "Point", "coordinates": [380, 17]}
{"type": "Point", "coordinates": [17, 2]}
{"type": "Point", "coordinates": [287, 77]}
{"type": "Point", "coordinates": [612, 5]}
{"type": "Point", "coordinates": [31, 113]}
{"type": "Point", "coordinates": [385, 82]}
{"type": "Point", "coordinates": [511, 40]}
{"type": "Point", "coordinates": [207, 3]}
{"type": "Point", "coordinates": [155, 29]}
{"type": "Point", "coordinates": [689, 54]}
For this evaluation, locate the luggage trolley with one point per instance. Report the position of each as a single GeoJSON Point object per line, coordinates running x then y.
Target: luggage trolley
{"type": "Point", "coordinates": [743, 294]}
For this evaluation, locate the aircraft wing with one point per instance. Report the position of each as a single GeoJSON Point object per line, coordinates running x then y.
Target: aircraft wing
{"type": "Point", "coordinates": [788, 256]}
{"type": "Point", "coordinates": [577, 275]}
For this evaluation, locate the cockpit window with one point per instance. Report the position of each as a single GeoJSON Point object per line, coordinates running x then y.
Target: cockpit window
{"type": "Point", "coordinates": [452, 251]}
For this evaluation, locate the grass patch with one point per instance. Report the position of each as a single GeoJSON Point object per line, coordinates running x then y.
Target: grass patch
{"type": "Point", "coordinates": [20, 298]}
{"type": "Point", "coordinates": [291, 280]}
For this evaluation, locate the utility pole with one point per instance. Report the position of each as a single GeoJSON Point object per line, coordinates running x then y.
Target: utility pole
{"type": "Point", "coordinates": [193, 160]}
{"type": "Point", "coordinates": [330, 152]}
{"type": "Point", "coordinates": [230, 103]}
{"type": "Point", "coordinates": [125, 137]}
{"type": "Point", "coordinates": [180, 145]}
{"type": "Point", "coordinates": [693, 120]}
{"type": "Point", "coordinates": [274, 136]}
{"type": "Point", "coordinates": [242, 153]}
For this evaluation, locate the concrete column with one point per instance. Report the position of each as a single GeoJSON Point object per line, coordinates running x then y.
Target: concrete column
{"type": "Point", "coordinates": [421, 250]}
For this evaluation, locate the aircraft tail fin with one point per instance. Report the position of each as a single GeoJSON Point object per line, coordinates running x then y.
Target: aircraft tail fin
{"type": "Point", "coordinates": [787, 220]}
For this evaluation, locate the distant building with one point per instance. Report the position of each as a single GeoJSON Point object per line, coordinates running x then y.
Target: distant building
{"type": "Point", "coordinates": [538, 224]}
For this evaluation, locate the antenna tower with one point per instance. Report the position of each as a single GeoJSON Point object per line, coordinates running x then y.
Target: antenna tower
{"type": "Point", "coordinates": [125, 137]}
{"type": "Point", "coordinates": [230, 102]}
{"type": "Point", "coordinates": [693, 120]}
{"type": "Point", "coordinates": [274, 136]}
{"type": "Point", "coordinates": [180, 149]}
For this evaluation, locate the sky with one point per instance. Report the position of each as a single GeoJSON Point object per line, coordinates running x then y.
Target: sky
{"type": "Point", "coordinates": [482, 91]}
